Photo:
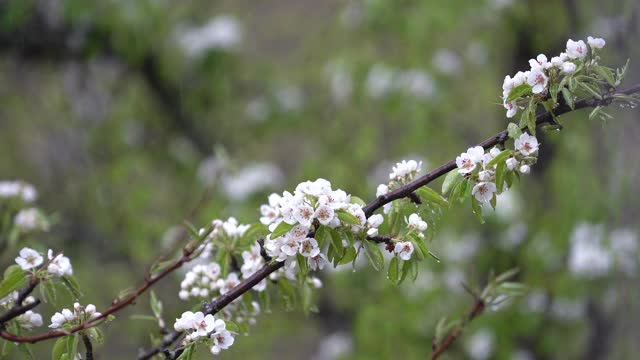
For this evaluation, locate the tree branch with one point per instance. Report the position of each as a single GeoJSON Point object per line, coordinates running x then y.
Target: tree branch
{"type": "Point", "coordinates": [439, 348]}
{"type": "Point", "coordinates": [402, 192]}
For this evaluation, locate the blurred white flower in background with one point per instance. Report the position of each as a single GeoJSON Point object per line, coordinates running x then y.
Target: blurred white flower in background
{"type": "Point", "coordinates": [210, 169]}
{"type": "Point", "coordinates": [251, 179]}
{"type": "Point", "coordinates": [340, 82]}
{"type": "Point", "coordinates": [536, 300]}
{"type": "Point", "coordinates": [30, 220]}
{"type": "Point", "coordinates": [257, 109]}
{"type": "Point", "coordinates": [588, 256]}
{"type": "Point", "coordinates": [334, 346]}
{"type": "Point", "coordinates": [379, 81]}
{"type": "Point", "coordinates": [290, 98]}
{"type": "Point", "coordinates": [480, 344]}
{"type": "Point", "coordinates": [567, 309]}
{"type": "Point", "coordinates": [477, 53]}
{"type": "Point", "coordinates": [522, 355]}
{"type": "Point", "coordinates": [447, 62]}
{"type": "Point", "coordinates": [222, 32]}
{"type": "Point", "coordinates": [418, 83]}
{"type": "Point", "coordinates": [500, 4]}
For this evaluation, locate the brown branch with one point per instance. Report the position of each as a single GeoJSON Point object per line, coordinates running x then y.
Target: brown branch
{"type": "Point", "coordinates": [402, 192]}
{"type": "Point", "coordinates": [88, 347]}
{"type": "Point", "coordinates": [17, 310]}
{"type": "Point", "coordinates": [115, 307]}
{"type": "Point", "coordinates": [439, 348]}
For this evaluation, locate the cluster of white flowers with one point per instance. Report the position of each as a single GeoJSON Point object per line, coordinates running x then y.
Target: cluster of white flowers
{"type": "Point", "coordinates": [382, 81]}
{"type": "Point", "coordinates": [200, 282]}
{"type": "Point", "coordinates": [28, 220]}
{"type": "Point", "coordinates": [312, 203]}
{"type": "Point", "coordinates": [18, 189]}
{"type": "Point", "coordinates": [200, 327]}
{"type": "Point", "coordinates": [222, 232]}
{"type": "Point", "coordinates": [401, 174]}
{"type": "Point", "coordinates": [592, 256]}
{"type": "Point", "coordinates": [222, 32]}
{"type": "Point", "coordinates": [79, 315]}
{"type": "Point", "coordinates": [29, 319]}
{"type": "Point", "coordinates": [544, 71]}
{"type": "Point", "coordinates": [474, 165]}
{"type": "Point", "coordinates": [57, 265]}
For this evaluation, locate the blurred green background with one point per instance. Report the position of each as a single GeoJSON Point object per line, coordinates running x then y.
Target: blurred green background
{"type": "Point", "coordinates": [128, 114]}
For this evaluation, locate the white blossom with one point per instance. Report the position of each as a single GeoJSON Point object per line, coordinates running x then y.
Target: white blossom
{"type": "Point", "coordinates": [403, 249]}
{"type": "Point", "coordinates": [29, 259]}
{"type": "Point", "coordinates": [511, 163]}
{"type": "Point", "coordinates": [29, 320]}
{"type": "Point", "coordinates": [317, 262]}
{"type": "Point", "coordinates": [59, 265]}
{"type": "Point", "coordinates": [595, 43]}
{"type": "Point", "coordinates": [525, 169]}
{"type": "Point", "coordinates": [538, 80]}
{"type": "Point", "coordinates": [576, 49]}
{"type": "Point", "coordinates": [416, 222]}
{"type": "Point", "coordinates": [568, 68]}
{"type": "Point", "coordinates": [483, 191]}
{"type": "Point", "coordinates": [526, 144]}
{"type": "Point", "coordinates": [30, 220]}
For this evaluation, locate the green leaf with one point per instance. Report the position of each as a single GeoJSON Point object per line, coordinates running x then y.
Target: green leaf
{"type": "Point", "coordinates": [156, 305]}
{"type": "Point", "coordinates": [288, 293]}
{"type": "Point", "coordinates": [595, 112]}
{"type": "Point", "coordinates": [451, 180]}
{"type": "Point", "coordinates": [336, 243]}
{"type": "Point", "coordinates": [374, 255]}
{"type": "Point", "coordinates": [512, 288]}
{"type": "Point", "coordinates": [568, 98]}
{"type": "Point", "coordinates": [504, 155]}
{"type": "Point", "coordinates": [347, 218]}
{"type": "Point", "coordinates": [500, 172]}
{"type": "Point", "coordinates": [349, 255]}
{"type": "Point", "coordinates": [96, 334]}
{"type": "Point", "coordinates": [606, 74]}
{"type": "Point", "coordinates": [14, 278]}
{"type": "Point", "coordinates": [187, 354]}
{"type": "Point", "coordinates": [420, 245]}
{"type": "Point", "coordinates": [514, 131]}
{"type": "Point", "coordinates": [428, 194]}
{"type": "Point", "coordinates": [254, 232]}
{"type": "Point", "coordinates": [72, 285]}
{"type": "Point", "coordinates": [322, 236]}
{"type": "Point", "coordinates": [459, 192]}
{"type": "Point", "coordinates": [59, 348]}
{"type": "Point", "coordinates": [477, 209]}
{"type": "Point", "coordinates": [302, 265]}
{"type": "Point", "coordinates": [231, 326]}
{"type": "Point", "coordinates": [591, 90]}
{"type": "Point", "coordinates": [394, 270]}
{"type": "Point", "coordinates": [518, 92]}
{"type": "Point", "coordinates": [409, 268]}
{"type": "Point", "coordinates": [281, 229]}
{"type": "Point", "coordinates": [357, 200]}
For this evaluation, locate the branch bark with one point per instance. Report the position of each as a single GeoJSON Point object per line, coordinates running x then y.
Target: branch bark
{"type": "Point", "coordinates": [402, 192]}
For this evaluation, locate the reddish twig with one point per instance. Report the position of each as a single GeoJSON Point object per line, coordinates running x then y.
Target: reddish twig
{"type": "Point", "coordinates": [439, 348]}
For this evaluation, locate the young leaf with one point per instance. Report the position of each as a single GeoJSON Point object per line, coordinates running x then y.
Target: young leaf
{"type": "Point", "coordinates": [568, 98]}
{"type": "Point", "coordinates": [347, 218]}
{"type": "Point", "coordinates": [477, 209]}
{"type": "Point", "coordinates": [518, 91]}
{"type": "Point", "coordinates": [156, 305]}
{"type": "Point", "coordinates": [374, 255]}
{"type": "Point", "coordinates": [281, 229]}
{"type": "Point", "coordinates": [349, 255]}
{"type": "Point", "coordinates": [606, 74]}
{"type": "Point", "coordinates": [514, 131]}
{"type": "Point", "coordinates": [430, 195]}
{"type": "Point", "coordinates": [14, 278]}
{"type": "Point", "coordinates": [501, 168]}
{"type": "Point", "coordinates": [504, 155]}
{"type": "Point", "coordinates": [452, 179]}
